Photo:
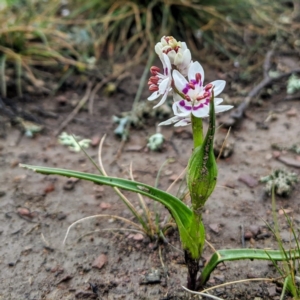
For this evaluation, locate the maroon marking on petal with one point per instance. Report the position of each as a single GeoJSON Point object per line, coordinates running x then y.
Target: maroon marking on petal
{"type": "Point", "coordinates": [208, 86]}
{"type": "Point", "coordinates": [186, 89]}
{"type": "Point", "coordinates": [199, 98]}
{"type": "Point", "coordinates": [167, 71]}
{"type": "Point", "coordinates": [196, 107]}
{"type": "Point", "coordinates": [182, 104]}
{"type": "Point", "coordinates": [191, 85]}
{"type": "Point", "coordinates": [198, 77]}
{"type": "Point", "coordinates": [188, 98]}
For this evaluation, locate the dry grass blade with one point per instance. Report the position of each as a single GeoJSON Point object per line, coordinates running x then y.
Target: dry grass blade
{"type": "Point", "coordinates": [224, 143]}
{"type": "Point", "coordinates": [100, 216]}
{"type": "Point", "coordinates": [202, 294]}
{"type": "Point", "coordinates": [120, 194]}
{"type": "Point", "coordinates": [146, 210]}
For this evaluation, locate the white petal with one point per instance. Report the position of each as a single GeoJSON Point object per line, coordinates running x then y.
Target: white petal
{"type": "Point", "coordinates": [153, 96]}
{"type": "Point", "coordinates": [167, 64]}
{"type": "Point", "coordinates": [177, 97]}
{"type": "Point", "coordinates": [222, 108]}
{"type": "Point", "coordinates": [180, 111]}
{"type": "Point", "coordinates": [179, 81]}
{"type": "Point", "coordinates": [178, 59]}
{"type": "Point", "coordinates": [183, 46]}
{"type": "Point", "coordinates": [158, 49]}
{"type": "Point", "coordinates": [219, 86]}
{"type": "Point", "coordinates": [164, 85]}
{"type": "Point", "coordinates": [217, 101]}
{"type": "Point", "coordinates": [183, 122]}
{"type": "Point", "coordinates": [195, 68]}
{"type": "Point", "coordinates": [170, 121]}
{"type": "Point", "coordinates": [171, 55]}
{"type": "Point", "coordinates": [202, 112]}
{"type": "Point", "coordinates": [162, 100]}
{"type": "Point", "coordinates": [187, 57]}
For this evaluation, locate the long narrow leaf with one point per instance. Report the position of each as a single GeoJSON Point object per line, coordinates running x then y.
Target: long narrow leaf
{"type": "Point", "coordinates": [238, 254]}
{"type": "Point", "coordinates": [180, 212]}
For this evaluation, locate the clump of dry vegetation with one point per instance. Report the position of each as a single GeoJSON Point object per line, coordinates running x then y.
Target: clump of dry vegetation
{"type": "Point", "coordinates": [44, 43]}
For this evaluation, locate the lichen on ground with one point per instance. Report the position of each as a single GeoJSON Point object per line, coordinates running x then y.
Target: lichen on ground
{"type": "Point", "coordinates": [283, 182]}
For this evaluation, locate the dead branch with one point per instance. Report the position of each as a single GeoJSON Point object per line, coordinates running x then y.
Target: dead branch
{"type": "Point", "coordinates": [238, 113]}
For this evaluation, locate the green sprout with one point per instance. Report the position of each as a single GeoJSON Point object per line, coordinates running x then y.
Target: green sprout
{"type": "Point", "coordinates": [155, 142]}
{"type": "Point", "coordinates": [293, 85]}
{"type": "Point", "coordinates": [74, 142]}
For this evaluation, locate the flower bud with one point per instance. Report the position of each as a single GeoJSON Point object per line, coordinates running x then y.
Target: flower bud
{"type": "Point", "coordinates": [202, 167]}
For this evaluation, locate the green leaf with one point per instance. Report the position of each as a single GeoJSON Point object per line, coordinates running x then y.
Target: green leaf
{"type": "Point", "coordinates": [182, 215]}
{"type": "Point", "coordinates": [202, 167]}
{"type": "Point", "coordinates": [238, 254]}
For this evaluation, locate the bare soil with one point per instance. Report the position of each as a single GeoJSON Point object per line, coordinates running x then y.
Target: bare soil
{"type": "Point", "coordinates": [36, 210]}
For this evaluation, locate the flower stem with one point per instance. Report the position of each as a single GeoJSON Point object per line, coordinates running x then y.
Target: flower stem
{"type": "Point", "coordinates": [197, 127]}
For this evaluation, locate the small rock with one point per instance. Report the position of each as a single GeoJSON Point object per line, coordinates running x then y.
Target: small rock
{"type": "Point", "coordinates": [100, 261]}
{"type": "Point", "coordinates": [105, 205]}
{"type": "Point", "coordinates": [95, 141]}
{"type": "Point", "coordinates": [62, 100]}
{"type": "Point", "coordinates": [69, 185]}
{"type": "Point", "coordinates": [272, 291]}
{"type": "Point", "coordinates": [254, 229]}
{"type": "Point", "coordinates": [220, 278]}
{"type": "Point", "coordinates": [285, 211]}
{"type": "Point", "coordinates": [276, 154]}
{"type": "Point", "coordinates": [230, 184]}
{"type": "Point", "coordinates": [14, 163]}
{"type": "Point", "coordinates": [61, 216]}
{"type": "Point", "coordinates": [248, 180]}
{"type": "Point", "coordinates": [152, 277]}
{"type": "Point", "coordinates": [134, 148]}
{"type": "Point", "coordinates": [19, 178]}
{"type": "Point", "coordinates": [85, 295]}
{"type": "Point", "coordinates": [24, 212]}
{"type": "Point", "coordinates": [292, 112]}
{"type": "Point", "coordinates": [138, 237]}
{"type": "Point", "coordinates": [215, 227]}
{"type": "Point", "coordinates": [2, 194]}
{"type": "Point", "coordinates": [248, 235]}
{"type": "Point", "coordinates": [268, 156]}
{"type": "Point", "coordinates": [65, 278]}
{"type": "Point", "coordinates": [263, 235]}
{"type": "Point", "coordinates": [49, 188]}
{"type": "Point", "coordinates": [289, 161]}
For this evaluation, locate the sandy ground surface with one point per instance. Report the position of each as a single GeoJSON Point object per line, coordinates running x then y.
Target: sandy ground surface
{"type": "Point", "coordinates": [36, 210]}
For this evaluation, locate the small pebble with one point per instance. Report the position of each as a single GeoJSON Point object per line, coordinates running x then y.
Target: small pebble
{"type": "Point", "coordinates": [272, 291]}
{"type": "Point", "coordinates": [215, 227]}
{"type": "Point", "coordinates": [249, 180]}
{"type": "Point", "coordinates": [61, 216]}
{"type": "Point", "coordinates": [95, 141]}
{"type": "Point", "coordinates": [100, 261]}
{"type": "Point", "coordinates": [292, 112]}
{"type": "Point", "coordinates": [85, 295]}
{"type": "Point", "coordinates": [220, 278]}
{"type": "Point", "coordinates": [254, 229]}
{"type": "Point", "coordinates": [105, 205]}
